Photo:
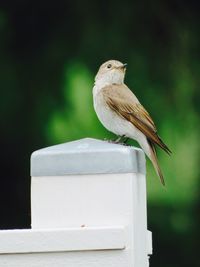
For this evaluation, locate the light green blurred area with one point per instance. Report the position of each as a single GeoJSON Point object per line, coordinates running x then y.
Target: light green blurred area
{"type": "Point", "coordinates": [77, 117]}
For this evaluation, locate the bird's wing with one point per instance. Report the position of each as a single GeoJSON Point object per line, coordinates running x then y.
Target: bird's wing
{"type": "Point", "coordinates": [121, 100]}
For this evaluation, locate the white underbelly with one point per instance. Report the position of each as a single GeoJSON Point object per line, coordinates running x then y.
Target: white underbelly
{"type": "Point", "coordinates": [116, 124]}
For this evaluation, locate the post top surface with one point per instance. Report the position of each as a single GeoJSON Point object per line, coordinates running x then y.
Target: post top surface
{"type": "Point", "coordinates": [87, 156]}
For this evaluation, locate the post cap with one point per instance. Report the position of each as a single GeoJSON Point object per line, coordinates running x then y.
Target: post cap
{"type": "Point", "coordinates": [87, 156]}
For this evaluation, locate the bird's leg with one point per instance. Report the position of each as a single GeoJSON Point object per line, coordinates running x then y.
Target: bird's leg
{"type": "Point", "coordinates": [117, 141]}
{"type": "Point", "coordinates": [120, 140]}
{"type": "Point", "coordinates": [124, 143]}
{"type": "Point", "coordinates": [126, 140]}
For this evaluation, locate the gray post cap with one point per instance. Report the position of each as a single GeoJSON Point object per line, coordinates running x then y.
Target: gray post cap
{"type": "Point", "coordinates": [87, 156]}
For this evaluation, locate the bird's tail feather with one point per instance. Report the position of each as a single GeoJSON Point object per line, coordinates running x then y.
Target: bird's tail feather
{"type": "Point", "coordinates": [155, 163]}
{"type": "Point", "coordinates": [164, 146]}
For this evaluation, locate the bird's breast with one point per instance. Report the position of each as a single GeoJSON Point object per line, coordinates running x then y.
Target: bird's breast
{"type": "Point", "coordinates": [109, 118]}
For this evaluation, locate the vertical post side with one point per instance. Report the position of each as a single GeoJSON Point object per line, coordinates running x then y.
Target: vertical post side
{"type": "Point", "coordinates": [139, 221]}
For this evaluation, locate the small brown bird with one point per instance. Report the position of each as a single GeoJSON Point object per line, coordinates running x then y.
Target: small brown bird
{"type": "Point", "coordinates": [120, 111]}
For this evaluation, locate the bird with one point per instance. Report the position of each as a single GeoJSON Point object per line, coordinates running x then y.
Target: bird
{"type": "Point", "coordinates": [121, 113]}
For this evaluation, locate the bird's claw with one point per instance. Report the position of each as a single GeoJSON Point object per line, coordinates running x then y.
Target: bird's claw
{"type": "Point", "coordinates": [117, 141]}
{"type": "Point", "coordinates": [111, 141]}
{"type": "Point", "coordinates": [124, 144]}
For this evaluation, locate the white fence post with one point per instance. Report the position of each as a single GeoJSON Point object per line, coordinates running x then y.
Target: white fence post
{"type": "Point", "coordinates": [88, 208]}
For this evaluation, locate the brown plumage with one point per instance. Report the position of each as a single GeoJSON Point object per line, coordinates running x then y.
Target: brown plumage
{"type": "Point", "coordinates": [122, 101]}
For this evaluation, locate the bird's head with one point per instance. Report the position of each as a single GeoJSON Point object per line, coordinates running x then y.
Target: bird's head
{"type": "Point", "coordinates": [112, 71]}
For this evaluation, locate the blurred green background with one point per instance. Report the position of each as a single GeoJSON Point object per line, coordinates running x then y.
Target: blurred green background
{"type": "Point", "coordinates": [49, 55]}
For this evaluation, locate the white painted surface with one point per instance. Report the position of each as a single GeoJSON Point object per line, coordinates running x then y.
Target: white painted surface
{"type": "Point", "coordinates": [139, 222]}
{"type": "Point", "coordinates": [149, 243]}
{"type": "Point", "coordinates": [100, 200]}
{"type": "Point", "coordinates": [83, 220]}
{"type": "Point", "coordinates": [75, 200]}
{"type": "Point", "coordinates": [73, 239]}
{"type": "Point", "coordinates": [107, 258]}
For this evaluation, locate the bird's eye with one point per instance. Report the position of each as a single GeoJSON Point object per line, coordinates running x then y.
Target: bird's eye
{"type": "Point", "coordinates": [109, 66]}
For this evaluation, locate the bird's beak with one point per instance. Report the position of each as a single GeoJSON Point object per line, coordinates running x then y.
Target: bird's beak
{"type": "Point", "coordinates": [122, 67]}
